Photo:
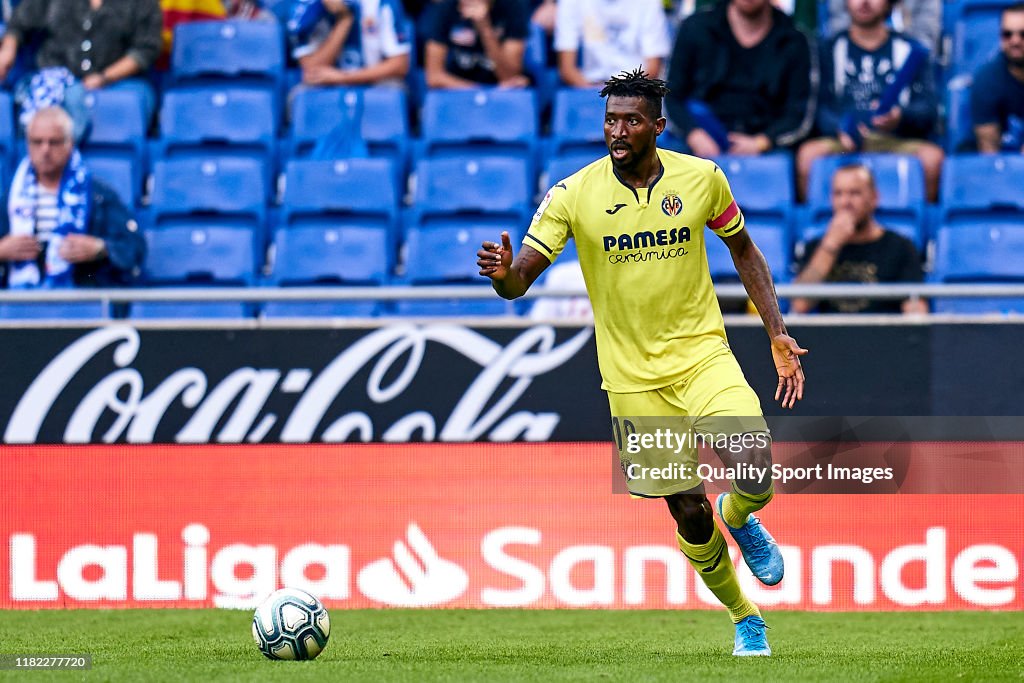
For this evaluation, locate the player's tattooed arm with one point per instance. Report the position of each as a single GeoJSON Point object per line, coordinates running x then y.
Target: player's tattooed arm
{"type": "Point", "coordinates": [510, 277]}
{"type": "Point", "coordinates": [757, 280]}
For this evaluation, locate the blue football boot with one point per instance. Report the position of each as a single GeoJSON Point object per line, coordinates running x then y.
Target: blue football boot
{"type": "Point", "coordinates": [759, 549]}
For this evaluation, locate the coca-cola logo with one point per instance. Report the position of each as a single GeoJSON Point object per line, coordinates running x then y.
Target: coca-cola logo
{"type": "Point", "coordinates": [234, 409]}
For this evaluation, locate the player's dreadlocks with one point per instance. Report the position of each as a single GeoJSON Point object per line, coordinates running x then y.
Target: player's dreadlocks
{"type": "Point", "coordinates": [637, 84]}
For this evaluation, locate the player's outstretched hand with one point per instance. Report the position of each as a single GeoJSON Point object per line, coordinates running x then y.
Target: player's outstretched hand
{"type": "Point", "coordinates": [786, 353]}
{"type": "Point", "coordinates": [495, 259]}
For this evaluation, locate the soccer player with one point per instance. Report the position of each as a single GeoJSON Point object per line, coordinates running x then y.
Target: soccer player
{"type": "Point", "coordinates": [638, 218]}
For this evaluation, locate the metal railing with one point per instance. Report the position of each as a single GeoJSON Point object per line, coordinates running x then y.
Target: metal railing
{"type": "Point", "coordinates": [729, 292]}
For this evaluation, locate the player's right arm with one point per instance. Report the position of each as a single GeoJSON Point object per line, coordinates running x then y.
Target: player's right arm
{"type": "Point", "coordinates": [510, 277]}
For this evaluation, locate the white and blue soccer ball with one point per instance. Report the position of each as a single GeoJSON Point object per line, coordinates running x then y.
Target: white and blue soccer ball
{"type": "Point", "coordinates": [291, 624]}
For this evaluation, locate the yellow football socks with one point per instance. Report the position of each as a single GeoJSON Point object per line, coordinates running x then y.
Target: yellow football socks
{"type": "Point", "coordinates": [712, 562]}
{"type": "Point", "coordinates": [738, 505]}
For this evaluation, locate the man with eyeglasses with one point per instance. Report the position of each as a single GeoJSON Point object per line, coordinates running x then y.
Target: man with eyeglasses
{"type": "Point", "coordinates": [997, 96]}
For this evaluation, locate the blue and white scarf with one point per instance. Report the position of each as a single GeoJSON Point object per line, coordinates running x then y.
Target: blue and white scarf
{"type": "Point", "coordinates": [73, 209]}
{"type": "Point", "coordinates": [46, 88]}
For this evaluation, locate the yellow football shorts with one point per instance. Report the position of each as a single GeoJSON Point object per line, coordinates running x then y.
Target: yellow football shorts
{"type": "Point", "coordinates": [658, 433]}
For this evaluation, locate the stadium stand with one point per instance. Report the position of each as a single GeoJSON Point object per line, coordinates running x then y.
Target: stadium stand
{"type": "Point", "coordinates": [459, 202]}
{"type": "Point", "coordinates": [381, 112]}
{"type": "Point", "coordinates": [475, 156]}
{"type": "Point", "coordinates": [205, 227]}
{"type": "Point", "coordinates": [8, 146]}
{"type": "Point", "coordinates": [339, 226]}
{"type": "Point", "coordinates": [202, 122]}
{"type": "Point", "coordinates": [117, 138]}
{"type": "Point", "coordinates": [576, 124]}
{"type": "Point", "coordinates": [65, 310]}
{"type": "Point", "coordinates": [981, 233]}
{"type": "Point", "coordinates": [975, 28]}
{"type": "Point", "coordinates": [763, 186]}
{"type": "Point", "coordinates": [238, 51]}
{"type": "Point", "coordinates": [481, 122]}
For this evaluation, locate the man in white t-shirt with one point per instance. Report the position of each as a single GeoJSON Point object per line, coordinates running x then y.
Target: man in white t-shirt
{"type": "Point", "coordinates": [611, 36]}
{"type": "Point", "coordinates": [358, 42]}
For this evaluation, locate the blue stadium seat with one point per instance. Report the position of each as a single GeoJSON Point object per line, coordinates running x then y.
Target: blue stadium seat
{"type": "Point", "coordinates": [382, 114]}
{"type": "Point", "coordinates": [472, 184]}
{"type": "Point", "coordinates": [155, 310]}
{"type": "Point", "coordinates": [978, 305]}
{"type": "Point", "coordinates": [577, 123]}
{"type": "Point", "coordinates": [481, 121]}
{"type": "Point", "coordinates": [320, 309]}
{"type": "Point", "coordinates": [209, 120]}
{"type": "Point", "coordinates": [770, 237]}
{"type": "Point", "coordinates": [485, 308]}
{"type": "Point", "coordinates": [219, 252]}
{"type": "Point", "coordinates": [118, 118]}
{"type": "Point", "coordinates": [976, 34]}
{"type": "Point", "coordinates": [118, 172]}
{"type": "Point", "coordinates": [959, 129]}
{"type": "Point", "coordinates": [8, 136]}
{"type": "Point", "coordinates": [984, 252]}
{"type": "Point", "coordinates": [208, 221]}
{"type": "Point", "coordinates": [319, 256]}
{"type": "Point", "coordinates": [761, 184]}
{"type": "Point", "coordinates": [68, 310]}
{"type": "Point", "coordinates": [201, 114]}
{"type": "Point", "coordinates": [535, 59]}
{"type": "Point", "coordinates": [982, 187]}
{"type": "Point", "coordinates": [201, 186]}
{"type": "Point", "coordinates": [562, 167]}
{"type": "Point", "coordinates": [228, 49]}
{"type": "Point", "coordinates": [901, 202]}
{"type": "Point", "coordinates": [459, 203]}
{"type": "Point", "coordinates": [117, 141]}
{"type": "Point", "coordinates": [357, 199]}
{"type": "Point", "coordinates": [445, 251]}
{"type": "Point", "coordinates": [763, 188]}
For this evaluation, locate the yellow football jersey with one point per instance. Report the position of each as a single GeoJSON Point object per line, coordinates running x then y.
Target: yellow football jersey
{"type": "Point", "coordinates": [643, 260]}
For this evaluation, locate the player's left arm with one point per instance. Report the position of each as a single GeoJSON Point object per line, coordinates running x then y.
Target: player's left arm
{"type": "Point", "coordinates": [757, 280]}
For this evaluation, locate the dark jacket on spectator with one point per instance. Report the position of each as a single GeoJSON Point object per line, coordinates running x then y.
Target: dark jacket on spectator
{"type": "Point", "coordinates": [112, 222]}
{"type": "Point", "coordinates": [782, 88]}
{"type": "Point", "coordinates": [87, 41]}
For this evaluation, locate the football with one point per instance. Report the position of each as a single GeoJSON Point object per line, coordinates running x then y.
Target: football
{"type": "Point", "coordinates": [291, 624]}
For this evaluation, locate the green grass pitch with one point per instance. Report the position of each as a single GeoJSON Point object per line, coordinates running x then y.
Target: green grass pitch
{"type": "Point", "coordinates": [519, 645]}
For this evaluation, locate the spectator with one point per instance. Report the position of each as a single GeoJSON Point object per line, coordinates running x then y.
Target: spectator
{"type": "Point", "coordinates": [856, 248]}
{"type": "Point", "coordinates": [917, 19]}
{"type": "Point", "coordinates": [740, 80]}
{"type": "Point", "coordinates": [613, 35]}
{"type": "Point", "coordinates": [101, 42]}
{"type": "Point", "coordinates": [877, 95]}
{"type": "Point", "coordinates": [997, 96]}
{"type": "Point", "coordinates": [803, 12]}
{"type": "Point", "coordinates": [63, 227]}
{"type": "Point", "coordinates": [477, 42]}
{"type": "Point", "coordinates": [357, 42]}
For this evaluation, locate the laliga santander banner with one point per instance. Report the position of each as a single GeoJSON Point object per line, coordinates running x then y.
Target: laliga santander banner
{"type": "Point", "coordinates": [453, 525]}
